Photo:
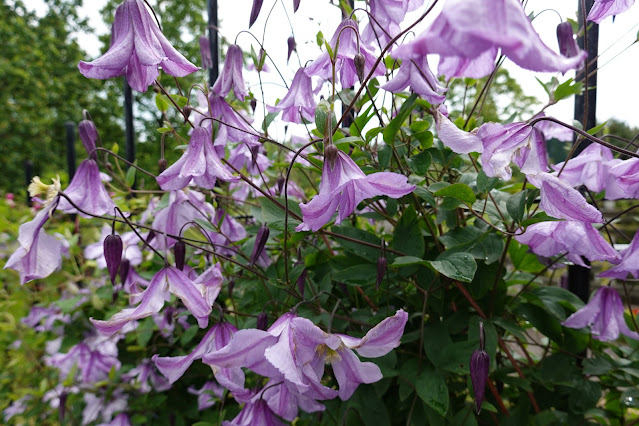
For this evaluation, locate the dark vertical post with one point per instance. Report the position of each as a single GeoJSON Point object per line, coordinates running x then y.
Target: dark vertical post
{"type": "Point", "coordinates": [586, 114]}
{"type": "Point", "coordinates": [213, 41]}
{"type": "Point", "coordinates": [128, 122]}
{"type": "Point", "coordinates": [70, 128]}
{"type": "Point", "coordinates": [350, 117]}
{"type": "Point", "coordinates": [28, 175]}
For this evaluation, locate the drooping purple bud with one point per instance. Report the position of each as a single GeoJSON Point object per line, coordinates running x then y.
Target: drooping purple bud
{"type": "Point", "coordinates": [162, 164]}
{"type": "Point", "coordinates": [113, 254]}
{"type": "Point", "coordinates": [179, 251]}
{"type": "Point", "coordinates": [89, 136]}
{"type": "Point", "coordinates": [253, 104]}
{"type": "Point", "coordinates": [479, 368]}
{"type": "Point", "coordinates": [124, 270]}
{"type": "Point", "coordinates": [301, 282]}
{"type": "Point", "coordinates": [261, 60]}
{"type": "Point", "coordinates": [330, 154]}
{"type": "Point", "coordinates": [296, 5]}
{"type": "Point", "coordinates": [381, 270]}
{"type": "Point", "coordinates": [150, 236]}
{"type": "Point", "coordinates": [188, 109]}
{"type": "Point", "coordinates": [262, 321]}
{"type": "Point", "coordinates": [255, 11]}
{"type": "Point", "coordinates": [567, 44]}
{"type": "Point", "coordinates": [360, 62]}
{"type": "Point", "coordinates": [279, 185]}
{"type": "Point", "coordinates": [260, 243]}
{"type": "Point", "coordinates": [291, 47]}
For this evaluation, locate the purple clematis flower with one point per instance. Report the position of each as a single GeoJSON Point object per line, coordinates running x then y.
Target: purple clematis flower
{"type": "Point", "coordinates": [589, 168]}
{"type": "Point", "coordinates": [458, 66]}
{"type": "Point", "coordinates": [145, 377]}
{"type": "Point", "coordinates": [138, 47]}
{"type": "Point", "coordinates": [343, 187]}
{"type": "Point", "coordinates": [200, 163]}
{"type": "Point", "coordinates": [131, 251]}
{"type": "Point", "coordinates": [417, 74]}
{"type": "Point", "coordinates": [182, 209]}
{"type": "Point", "coordinates": [455, 138]}
{"type": "Point", "coordinates": [91, 361]}
{"type": "Point", "coordinates": [605, 8]}
{"type": "Point", "coordinates": [86, 191]}
{"type": "Point", "coordinates": [241, 130]}
{"type": "Point", "coordinates": [284, 400]}
{"type": "Point", "coordinates": [388, 14]}
{"type": "Point", "coordinates": [120, 420]}
{"type": "Point", "coordinates": [623, 179]}
{"type": "Point", "coordinates": [299, 101]}
{"type": "Point", "coordinates": [205, 52]}
{"type": "Point", "coordinates": [516, 142]}
{"type": "Point", "coordinates": [347, 32]}
{"type": "Point", "coordinates": [255, 412]}
{"type": "Point", "coordinates": [207, 395]}
{"type": "Point", "coordinates": [562, 201]}
{"type": "Point", "coordinates": [576, 239]}
{"type": "Point", "coordinates": [467, 29]}
{"type": "Point", "coordinates": [231, 75]}
{"type": "Point", "coordinates": [604, 315]}
{"type": "Point", "coordinates": [629, 262]}
{"type": "Point", "coordinates": [89, 137]}
{"type": "Point", "coordinates": [167, 280]}
{"type": "Point", "coordinates": [39, 254]}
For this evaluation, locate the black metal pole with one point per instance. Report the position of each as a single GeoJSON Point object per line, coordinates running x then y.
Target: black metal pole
{"type": "Point", "coordinates": [213, 41]}
{"type": "Point", "coordinates": [128, 122]}
{"type": "Point", "coordinates": [70, 128]}
{"type": "Point", "coordinates": [28, 175]}
{"type": "Point", "coordinates": [586, 114]}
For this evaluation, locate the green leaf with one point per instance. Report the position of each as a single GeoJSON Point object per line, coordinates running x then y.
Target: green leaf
{"type": "Point", "coordinates": [181, 101]}
{"type": "Point", "coordinates": [130, 174]}
{"type": "Point", "coordinates": [68, 305]}
{"type": "Point", "coordinates": [407, 236]}
{"type": "Point", "coordinates": [459, 191]}
{"type": "Point", "coordinates": [164, 129]}
{"type": "Point", "coordinates": [539, 217]}
{"type": "Point", "coordinates": [396, 123]}
{"type": "Point", "coordinates": [567, 89]}
{"type": "Point", "coordinates": [457, 266]}
{"type": "Point", "coordinates": [419, 163]}
{"type": "Point", "coordinates": [321, 114]}
{"type": "Point", "coordinates": [408, 261]}
{"type": "Point", "coordinates": [595, 129]}
{"type": "Point", "coordinates": [319, 39]}
{"type": "Point", "coordinates": [484, 183]}
{"type": "Point", "coordinates": [516, 206]}
{"type": "Point", "coordinates": [384, 155]}
{"type": "Point", "coordinates": [432, 389]}
{"type": "Point", "coordinates": [161, 102]}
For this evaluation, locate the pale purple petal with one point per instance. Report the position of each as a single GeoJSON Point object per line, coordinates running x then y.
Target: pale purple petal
{"type": "Point", "coordinates": [380, 339]}
{"type": "Point", "coordinates": [350, 372]}
{"type": "Point", "coordinates": [455, 138]}
{"type": "Point", "coordinates": [560, 200]}
{"type": "Point", "coordinates": [231, 75]}
{"type": "Point", "coordinates": [605, 8]}
{"type": "Point", "coordinates": [86, 190]}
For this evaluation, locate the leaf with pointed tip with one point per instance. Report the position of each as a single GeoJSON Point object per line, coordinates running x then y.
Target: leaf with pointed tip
{"type": "Point", "coordinates": [255, 11]}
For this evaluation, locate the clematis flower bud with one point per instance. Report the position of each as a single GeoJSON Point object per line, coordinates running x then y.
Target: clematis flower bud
{"type": "Point", "coordinates": [330, 154]}
{"type": "Point", "coordinates": [292, 46]}
{"type": "Point", "coordinates": [479, 368]}
{"type": "Point", "coordinates": [124, 270]}
{"type": "Point", "coordinates": [360, 61]}
{"type": "Point", "coordinates": [89, 136]}
{"type": "Point", "coordinates": [179, 251]}
{"type": "Point", "coordinates": [162, 164]}
{"type": "Point", "coordinates": [188, 109]}
{"type": "Point", "coordinates": [260, 242]}
{"type": "Point", "coordinates": [113, 254]}
{"type": "Point", "coordinates": [262, 321]}
{"type": "Point", "coordinates": [253, 104]}
{"type": "Point", "coordinates": [381, 270]}
{"type": "Point", "coordinates": [567, 43]}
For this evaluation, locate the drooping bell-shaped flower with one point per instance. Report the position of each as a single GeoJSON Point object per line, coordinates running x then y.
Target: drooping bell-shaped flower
{"type": "Point", "coordinates": [238, 130]}
{"type": "Point", "coordinates": [388, 15]}
{"type": "Point", "coordinates": [87, 191]}
{"type": "Point", "coordinates": [589, 168]}
{"type": "Point", "coordinates": [516, 142]}
{"type": "Point", "coordinates": [455, 138]}
{"type": "Point", "coordinates": [629, 262]}
{"type": "Point", "coordinates": [605, 8]}
{"type": "Point", "coordinates": [458, 66]}
{"type": "Point", "coordinates": [284, 399]}
{"type": "Point", "coordinates": [92, 362]}
{"type": "Point", "coordinates": [562, 201]}
{"type": "Point", "coordinates": [417, 74]}
{"type": "Point", "coordinates": [348, 33]}
{"type": "Point", "coordinates": [231, 75]}
{"type": "Point", "coordinates": [604, 315]}
{"type": "Point", "coordinates": [205, 52]}
{"type": "Point", "coordinates": [113, 255]}
{"type": "Point", "coordinates": [181, 210]}
{"type": "Point", "coordinates": [200, 163]}
{"type": "Point", "coordinates": [623, 179]}
{"type": "Point", "coordinates": [299, 101]}
{"type": "Point", "coordinates": [38, 254]}
{"type": "Point", "coordinates": [572, 238]}
{"type": "Point", "coordinates": [89, 137]}
{"type": "Point", "coordinates": [343, 187]}
{"type": "Point", "coordinates": [469, 28]}
{"type": "Point", "coordinates": [138, 48]}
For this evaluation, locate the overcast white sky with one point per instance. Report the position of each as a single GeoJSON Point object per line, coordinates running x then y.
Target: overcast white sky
{"type": "Point", "coordinates": [618, 85]}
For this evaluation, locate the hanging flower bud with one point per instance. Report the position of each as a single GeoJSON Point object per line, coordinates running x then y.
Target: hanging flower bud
{"type": "Point", "coordinates": [292, 46]}
{"type": "Point", "coordinates": [179, 251]}
{"type": "Point", "coordinates": [279, 185]}
{"type": "Point", "coordinates": [260, 242]}
{"type": "Point", "coordinates": [253, 104]}
{"type": "Point", "coordinates": [124, 270]}
{"type": "Point", "coordinates": [330, 154]}
{"type": "Point", "coordinates": [359, 61]}
{"type": "Point", "coordinates": [479, 368]}
{"type": "Point", "coordinates": [150, 236]}
{"type": "Point", "coordinates": [162, 164]}
{"type": "Point", "coordinates": [262, 321]}
{"type": "Point", "coordinates": [567, 44]}
{"type": "Point", "coordinates": [301, 282]}
{"type": "Point", "coordinates": [188, 109]}
{"type": "Point", "coordinates": [296, 5]}
{"type": "Point", "coordinates": [381, 270]}
{"type": "Point", "coordinates": [113, 254]}
{"type": "Point", "coordinates": [261, 60]}
{"type": "Point", "coordinates": [255, 11]}
{"type": "Point", "coordinates": [89, 136]}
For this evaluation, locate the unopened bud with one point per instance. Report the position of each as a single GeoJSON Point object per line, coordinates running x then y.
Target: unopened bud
{"type": "Point", "coordinates": [330, 154]}
{"type": "Point", "coordinates": [150, 236]}
{"type": "Point", "coordinates": [567, 43]}
{"type": "Point", "coordinates": [360, 62]}
{"type": "Point", "coordinates": [260, 243]}
{"type": "Point", "coordinates": [179, 251]}
{"type": "Point", "coordinates": [479, 367]}
{"type": "Point", "coordinates": [162, 163]}
{"type": "Point", "coordinates": [261, 60]}
{"type": "Point", "coordinates": [253, 104]}
{"type": "Point", "coordinates": [187, 112]}
{"type": "Point", "coordinates": [113, 254]}
{"type": "Point", "coordinates": [291, 47]}
{"type": "Point", "coordinates": [89, 136]}
{"type": "Point", "coordinates": [255, 151]}
{"type": "Point", "coordinates": [381, 270]}
{"type": "Point", "coordinates": [124, 270]}
{"type": "Point", "coordinates": [301, 282]}
{"type": "Point", "coordinates": [262, 321]}
{"type": "Point", "coordinates": [279, 185]}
